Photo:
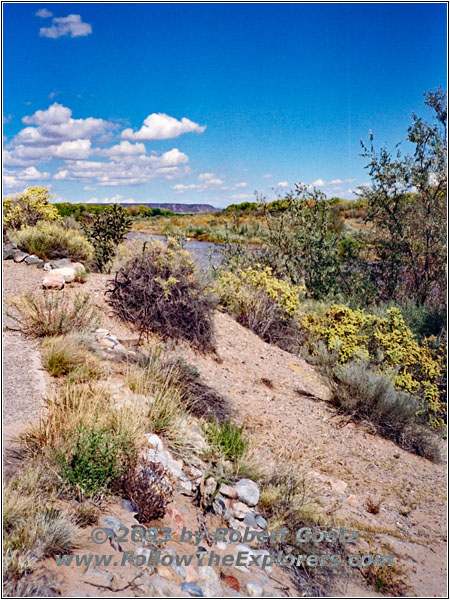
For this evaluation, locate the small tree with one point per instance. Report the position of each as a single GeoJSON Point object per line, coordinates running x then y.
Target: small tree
{"type": "Point", "coordinates": [302, 244]}
{"type": "Point", "coordinates": [407, 209]}
{"type": "Point", "coordinates": [28, 208]}
{"type": "Point", "coordinates": [106, 231]}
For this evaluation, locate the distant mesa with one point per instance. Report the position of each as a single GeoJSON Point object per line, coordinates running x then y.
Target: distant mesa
{"type": "Point", "coordinates": [176, 208]}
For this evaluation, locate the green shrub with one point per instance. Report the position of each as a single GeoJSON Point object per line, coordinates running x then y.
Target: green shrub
{"type": "Point", "coordinates": [158, 291]}
{"type": "Point", "coordinates": [28, 208]}
{"type": "Point", "coordinates": [389, 345]}
{"type": "Point", "coordinates": [106, 231]}
{"type": "Point", "coordinates": [99, 457]}
{"type": "Point", "coordinates": [226, 440]}
{"type": "Point", "coordinates": [51, 240]}
{"type": "Point", "coordinates": [371, 397]}
{"type": "Point", "coordinates": [47, 314]}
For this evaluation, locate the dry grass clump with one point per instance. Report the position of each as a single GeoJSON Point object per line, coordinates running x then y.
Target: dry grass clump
{"type": "Point", "coordinates": [158, 291]}
{"type": "Point", "coordinates": [33, 529]}
{"type": "Point", "coordinates": [49, 314]}
{"type": "Point", "coordinates": [68, 355]}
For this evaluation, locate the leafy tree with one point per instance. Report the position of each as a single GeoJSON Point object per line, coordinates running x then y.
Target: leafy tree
{"type": "Point", "coordinates": [106, 231]}
{"type": "Point", "coordinates": [302, 244]}
{"type": "Point", "coordinates": [28, 208]}
{"type": "Point", "coordinates": [407, 209]}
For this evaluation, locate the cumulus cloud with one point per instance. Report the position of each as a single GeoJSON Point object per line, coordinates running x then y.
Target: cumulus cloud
{"type": "Point", "coordinates": [210, 179]}
{"type": "Point", "coordinates": [242, 184]}
{"type": "Point", "coordinates": [282, 184]}
{"type": "Point", "coordinates": [44, 13]}
{"type": "Point", "coordinates": [18, 178]}
{"type": "Point", "coordinates": [159, 126]}
{"type": "Point", "coordinates": [124, 149]}
{"type": "Point", "coordinates": [72, 26]}
{"type": "Point", "coordinates": [319, 182]}
{"type": "Point", "coordinates": [117, 198]}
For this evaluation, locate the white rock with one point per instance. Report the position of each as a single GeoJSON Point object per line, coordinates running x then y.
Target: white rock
{"type": "Point", "coordinates": [154, 441]}
{"type": "Point", "coordinates": [254, 589]}
{"type": "Point", "coordinates": [53, 282]}
{"type": "Point", "coordinates": [247, 491]}
{"type": "Point", "coordinates": [67, 272]}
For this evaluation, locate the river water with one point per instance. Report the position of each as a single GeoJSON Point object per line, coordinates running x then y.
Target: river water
{"type": "Point", "coordinates": [204, 253]}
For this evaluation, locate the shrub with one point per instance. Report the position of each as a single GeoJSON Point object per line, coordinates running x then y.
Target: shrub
{"type": "Point", "coordinates": [371, 397]}
{"type": "Point", "coordinates": [150, 486]}
{"type": "Point", "coordinates": [158, 291]}
{"type": "Point", "coordinates": [106, 231]}
{"type": "Point", "coordinates": [264, 304]}
{"type": "Point", "coordinates": [51, 240]}
{"type": "Point", "coordinates": [48, 314]}
{"type": "Point", "coordinates": [28, 208]}
{"type": "Point", "coordinates": [389, 345]}
{"type": "Point", "coordinates": [226, 440]}
{"type": "Point", "coordinates": [99, 457]}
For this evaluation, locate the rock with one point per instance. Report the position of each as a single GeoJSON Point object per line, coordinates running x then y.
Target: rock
{"type": "Point", "coordinates": [20, 256]}
{"type": "Point", "coordinates": [176, 468]}
{"type": "Point", "coordinates": [60, 262]}
{"type": "Point", "coordinates": [144, 552]}
{"type": "Point", "coordinates": [9, 251]}
{"type": "Point", "coordinates": [192, 589]}
{"type": "Point", "coordinates": [102, 332]}
{"type": "Point", "coordinates": [176, 518]}
{"type": "Point", "coordinates": [239, 510]}
{"type": "Point", "coordinates": [219, 506]}
{"type": "Point", "coordinates": [221, 545]}
{"type": "Point", "coordinates": [210, 582]}
{"type": "Point", "coordinates": [168, 573]}
{"type": "Point", "coordinates": [247, 491]}
{"type": "Point", "coordinates": [162, 588]}
{"type": "Point", "coordinates": [210, 486]}
{"type": "Point", "coordinates": [67, 272]}
{"type": "Point", "coordinates": [254, 589]}
{"type": "Point", "coordinates": [177, 569]}
{"type": "Point", "coordinates": [228, 491]}
{"type": "Point", "coordinates": [154, 441]}
{"type": "Point", "coordinates": [157, 456]}
{"type": "Point", "coordinates": [113, 522]}
{"type": "Point", "coordinates": [34, 260]}
{"type": "Point", "coordinates": [250, 520]}
{"type": "Point", "coordinates": [53, 282]}
{"type": "Point", "coordinates": [99, 577]}
{"type": "Point", "coordinates": [186, 485]}
{"type": "Point", "coordinates": [129, 505]}
{"type": "Point", "coordinates": [47, 267]}
{"type": "Point", "coordinates": [261, 521]}
{"type": "Point", "coordinates": [191, 574]}
{"type": "Point", "coordinates": [231, 582]}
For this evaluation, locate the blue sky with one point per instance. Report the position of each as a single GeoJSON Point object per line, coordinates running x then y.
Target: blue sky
{"type": "Point", "coordinates": [208, 103]}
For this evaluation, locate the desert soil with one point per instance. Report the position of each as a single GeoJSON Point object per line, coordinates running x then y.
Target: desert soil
{"type": "Point", "coordinates": [282, 403]}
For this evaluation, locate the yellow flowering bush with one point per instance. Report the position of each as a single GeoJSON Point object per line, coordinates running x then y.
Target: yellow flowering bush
{"type": "Point", "coordinates": [28, 208]}
{"type": "Point", "coordinates": [237, 289]}
{"type": "Point", "coordinates": [389, 344]}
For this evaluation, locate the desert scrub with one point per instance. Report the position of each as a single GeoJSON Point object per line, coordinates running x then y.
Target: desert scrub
{"type": "Point", "coordinates": [96, 460]}
{"type": "Point", "coordinates": [68, 355]}
{"type": "Point", "coordinates": [51, 241]}
{"type": "Point", "coordinates": [28, 208]}
{"type": "Point", "coordinates": [158, 291]}
{"type": "Point", "coordinates": [389, 345]}
{"type": "Point", "coordinates": [49, 314]}
{"type": "Point", "coordinates": [106, 230]}
{"type": "Point", "coordinates": [226, 440]}
{"type": "Point", "coordinates": [32, 530]}
{"type": "Point", "coordinates": [266, 305]}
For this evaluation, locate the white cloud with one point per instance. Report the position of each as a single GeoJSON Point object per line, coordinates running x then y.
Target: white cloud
{"type": "Point", "coordinates": [210, 179]}
{"type": "Point", "coordinates": [318, 182]}
{"type": "Point", "coordinates": [241, 196]}
{"type": "Point", "coordinates": [282, 184]}
{"type": "Point", "coordinates": [242, 184]}
{"type": "Point", "coordinates": [268, 176]}
{"type": "Point", "coordinates": [336, 182]}
{"type": "Point", "coordinates": [72, 25]}
{"type": "Point", "coordinates": [18, 178]}
{"type": "Point", "coordinates": [22, 154]}
{"type": "Point", "coordinates": [44, 13]}
{"type": "Point", "coordinates": [124, 149]}
{"type": "Point", "coordinates": [159, 126]}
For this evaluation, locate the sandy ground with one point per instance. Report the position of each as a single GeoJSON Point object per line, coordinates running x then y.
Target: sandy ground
{"type": "Point", "coordinates": [288, 420]}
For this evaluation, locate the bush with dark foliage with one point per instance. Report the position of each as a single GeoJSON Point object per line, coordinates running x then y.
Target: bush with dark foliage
{"type": "Point", "coordinates": [106, 231]}
{"type": "Point", "coordinates": [158, 291]}
{"type": "Point", "coordinates": [150, 486]}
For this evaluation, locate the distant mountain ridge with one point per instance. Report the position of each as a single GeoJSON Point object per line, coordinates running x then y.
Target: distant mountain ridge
{"type": "Point", "coordinates": [175, 207]}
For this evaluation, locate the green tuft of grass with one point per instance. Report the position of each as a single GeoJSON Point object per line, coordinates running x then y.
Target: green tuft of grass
{"type": "Point", "coordinates": [226, 440]}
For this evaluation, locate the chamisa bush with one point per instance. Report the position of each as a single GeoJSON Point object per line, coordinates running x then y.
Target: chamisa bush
{"type": "Point", "coordinates": [266, 305]}
{"type": "Point", "coordinates": [158, 291]}
{"type": "Point", "coordinates": [52, 240]}
{"type": "Point", "coordinates": [28, 208]}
